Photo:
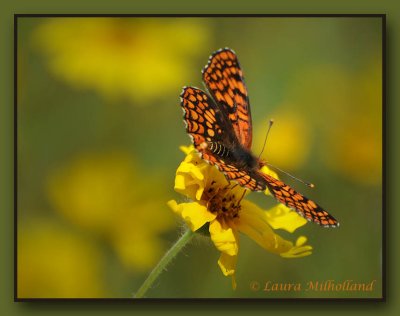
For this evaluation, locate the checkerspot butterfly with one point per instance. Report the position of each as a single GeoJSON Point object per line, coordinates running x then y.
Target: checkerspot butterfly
{"type": "Point", "coordinates": [219, 124]}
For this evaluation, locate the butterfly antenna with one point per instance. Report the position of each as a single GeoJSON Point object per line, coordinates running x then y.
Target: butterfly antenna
{"type": "Point", "coordinates": [309, 184]}
{"type": "Point", "coordinates": [271, 122]}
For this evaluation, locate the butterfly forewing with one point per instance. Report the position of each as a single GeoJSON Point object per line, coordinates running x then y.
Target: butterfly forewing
{"type": "Point", "coordinates": [224, 80]}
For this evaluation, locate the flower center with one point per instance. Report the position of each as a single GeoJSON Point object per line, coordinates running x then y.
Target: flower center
{"type": "Point", "coordinates": [223, 201]}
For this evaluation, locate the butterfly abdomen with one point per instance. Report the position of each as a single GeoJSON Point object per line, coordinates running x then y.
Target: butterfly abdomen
{"type": "Point", "coordinates": [218, 149]}
{"type": "Point", "coordinates": [237, 155]}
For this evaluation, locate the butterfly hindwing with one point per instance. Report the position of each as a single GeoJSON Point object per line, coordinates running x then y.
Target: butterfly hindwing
{"type": "Point", "coordinates": [296, 201]}
{"type": "Point", "coordinates": [224, 80]}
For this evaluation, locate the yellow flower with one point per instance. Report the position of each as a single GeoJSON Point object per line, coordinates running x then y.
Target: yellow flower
{"type": "Point", "coordinates": [108, 195]}
{"type": "Point", "coordinates": [139, 59]}
{"type": "Point", "coordinates": [55, 263]}
{"type": "Point", "coordinates": [220, 205]}
{"type": "Point", "coordinates": [290, 143]}
{"type": "Point", "coordinates": [341, 148]}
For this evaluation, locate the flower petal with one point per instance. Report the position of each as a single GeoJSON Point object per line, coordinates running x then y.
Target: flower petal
{"type": "Point", "coordinates": [189, 180]}
{"type": "Point", "coordinates": [186, 185]}
{"type": "Point", "coordinates": [224, 238]}
{"type": "Point", "coordinates": [299, 250]}
{"type": "Point", "coordinates": [186, 149]}
{"type": "Point", "coordinates": [282, 217]}
{"type": "Point", "coordinates": [301, 241]}
{"type": "Point", "coordinates": [252, 222]}
{"type": "Point", "coordinates": [217, 177]}
{"type": "Point", "coordinates": [268, 171]}
{"type": "Point", "coordinates": [193, 213]}
{"type": "Point", "coordinates": [227, 264]}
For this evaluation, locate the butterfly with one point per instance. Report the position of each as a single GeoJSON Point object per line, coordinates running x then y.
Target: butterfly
{"type": "Point", "coordinates": [219, 124]}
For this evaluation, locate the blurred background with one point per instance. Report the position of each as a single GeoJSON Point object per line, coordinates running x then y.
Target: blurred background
{"type": "Point", "coordinates": [99, 126]}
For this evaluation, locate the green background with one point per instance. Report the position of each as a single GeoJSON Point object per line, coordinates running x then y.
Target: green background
{"type": "Point", "coordinates": [284, 7]}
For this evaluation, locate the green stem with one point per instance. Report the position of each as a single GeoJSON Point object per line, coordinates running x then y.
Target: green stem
{"type": "Point", "coordinates": [160, 267]}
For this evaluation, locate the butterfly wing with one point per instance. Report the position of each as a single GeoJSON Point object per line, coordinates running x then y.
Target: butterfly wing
{"type": "Point", "coordinates": [294, 200]}
{"type": "Point", "coordinates": [213, 136]}
{"type": "Point", "coordinates": [204, 121]}
{"type": "Point", "coordinates": [224, 80]}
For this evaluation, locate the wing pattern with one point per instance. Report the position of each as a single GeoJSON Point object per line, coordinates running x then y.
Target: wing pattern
{"type": "Point", "coordinates": [224, 80]}
{"type": "Point", "coordinates": [296, 201]}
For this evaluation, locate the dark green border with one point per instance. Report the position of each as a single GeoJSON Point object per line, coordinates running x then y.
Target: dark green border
{"type": "Point", "coordinates": [172, 307]}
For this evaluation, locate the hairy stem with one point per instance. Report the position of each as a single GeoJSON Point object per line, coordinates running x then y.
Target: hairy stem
{"type": "Point", "coordinates": [160, 267]}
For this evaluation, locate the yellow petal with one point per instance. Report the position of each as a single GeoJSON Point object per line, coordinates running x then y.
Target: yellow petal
{"type": "Point", "coordinates": [251, 212]}
{"type": "Point", "coordinates": [282, 217]}
{"type": "Point", "coordinates": [188, 186]}
{"type": "Point", "coordinates": [227, 264]}
{"type": "Point", "coordinates": [190, 180]}
{"type": "Point", "coordinates": [186, 149]}
{"type": "Point", "coordinates": [299, 250]}
{"type": "Point", "coordinates": [268, 171]}
{"type": "Point", "coordinates": [216, 176]}
{"type": "Point", "coordinates": [224, 238]}
{"type": "Point", "coordinates": [194, 158]}
{"type": "Point", "coordinates": [252, 222]}
{"type": "Point", "coordinates": [191, 169]}
{"type": "Point", "coordinates": [301, 241]}
{"type": "Point", "coordinates": [193, 213]}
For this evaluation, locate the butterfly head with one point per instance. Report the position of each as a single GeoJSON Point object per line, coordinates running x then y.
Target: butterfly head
{"type": "Point", "coordinates": [262, 163]}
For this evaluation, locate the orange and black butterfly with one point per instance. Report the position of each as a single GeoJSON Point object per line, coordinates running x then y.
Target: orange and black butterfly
{"type": "Point", "coordinates": [219, 124]}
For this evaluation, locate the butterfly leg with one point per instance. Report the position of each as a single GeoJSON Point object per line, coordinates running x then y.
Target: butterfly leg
{"type": "Point", "coordinates": [241, 198]}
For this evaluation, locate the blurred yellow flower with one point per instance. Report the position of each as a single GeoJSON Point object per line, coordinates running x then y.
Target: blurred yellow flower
{"type": "Point", "coordinates": [141, 59]}
{"type": "Point", "coordinates": [53, 263]}
{"type": "Point", "coordinates": [289, 142]}
{"type": "Point", "coordinates": [108, 195]}
{"type": "Point", "coordinates": [345, 107]}
{"type": "Point", "coordinates": [357, 148]}
{"type": "Point", "coordinates": [219, 204]}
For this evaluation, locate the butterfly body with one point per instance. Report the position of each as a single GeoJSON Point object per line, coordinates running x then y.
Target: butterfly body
{"type": "Point", "coordinates": [237, 155]}
{"type": "Point", "coordinates": [221, 130]}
